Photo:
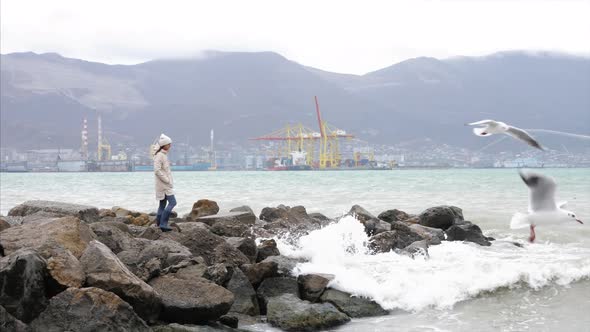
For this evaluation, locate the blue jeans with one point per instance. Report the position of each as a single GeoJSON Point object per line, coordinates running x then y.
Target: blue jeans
{"type": "Point", "coordinates": [164, 211]}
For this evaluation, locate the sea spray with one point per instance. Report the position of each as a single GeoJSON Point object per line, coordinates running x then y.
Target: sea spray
{"type": "Point", "coordinates": [456, 271]}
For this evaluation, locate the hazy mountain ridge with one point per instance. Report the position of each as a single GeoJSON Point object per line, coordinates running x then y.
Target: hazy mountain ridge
{"type": "Point", "coordinates": [243, 95]}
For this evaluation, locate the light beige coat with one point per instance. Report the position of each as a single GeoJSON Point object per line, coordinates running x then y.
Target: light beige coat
{"type": "Point", "coordinates": [164, 181]}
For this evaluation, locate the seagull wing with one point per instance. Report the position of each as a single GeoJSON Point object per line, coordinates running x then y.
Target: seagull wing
{"type": "Point", "coordinates": [482, 122]}
{"type": "Point", "coordinates": [524, 136]}
{"type": "Point", "coordinates": [542, 191]}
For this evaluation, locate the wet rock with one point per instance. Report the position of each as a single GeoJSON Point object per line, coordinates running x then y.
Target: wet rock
{"type": "Point", "coordinates": [246, 245]}
{"type": "Point", "coordinates": [322, 219]}
{"type": "Point", "coordinates": [272, 287]}
{"type": "Point", "coordinates": [68, 232]}
{"type": "Point", "coordinates": [88, 309]}
{"type": "Point", "coordinates": [202, 208]}
{"type": "Point", "coordinates": [147, 259]}
{"type": "Point", "coordinates": [372, 224]}
{"type": "Point", "coordinates": [289, 313]}
{"type": "Point", "coordinates": [104, 270]}
{"type": "Point", "coordinates": [83, 212]}
{"type": "Point", "coordinates": [103, 213]}
{"type": "Point", "coordinates": [393, 215]}
{"type": "Point", "coordinates": [121, 212]}
{"type": "Point", "coordinates": [296, 214]}
{"type": "Point", "coordinates": [114, 235]}
{"type": "Point", "coordinates": [10, 323]}
{"type": "Point", "coordinates": [351, 305]}
{"type": "Point", "coordinates": [246, 301]}
{"type": "Point", "coordinates": [229, 320]}
{"type": "Point", "coordinates": [218, 273]}
{"type": "Point", "coordinates": [40, 217]}
{"type": "Point", "coordinates": [143, 219]}
{"type": "Point", "coordinates": [187, 270]}
{"type": "Point", "coordinates": [63, 267]}
{"type": "Point", "coordinates": [201, 242]}
{"type": "Point", "coordinates": [466, 231]}
{"type": "Point", "coordinates": [243, 208]}
{"type": "Point", "coordinates": [433, 235]}
{"type": "Point", "coordinates": [285, 265]}
{"type": "Point", "coordinates": [4, 224]}
{"type": "Point", "coordinates": [387, 241]}
{"type": "Point", "coordinates": [311, 286]}
{"type": "Point", "coordinates": [267, 248]}
{"type": "Point", "coordinates": [191, 301]}
{"type": "Point", "coordinates": [236, 224]}
{"type": "Point", "coordinates": [441, 217]}
{"type": "Point", "coordinates": [418, 248]}
{"type": "Point", "coordinates": [256, 273]}
{"type": "Point", "coordinates": [23, 280]}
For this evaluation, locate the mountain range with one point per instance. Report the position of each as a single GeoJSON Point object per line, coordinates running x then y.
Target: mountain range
{"type": "Point", "coordinates": [44, 98]}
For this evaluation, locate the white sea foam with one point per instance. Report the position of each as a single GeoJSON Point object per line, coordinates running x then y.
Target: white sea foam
{"type": "Point", "coordinates": [455, 272]}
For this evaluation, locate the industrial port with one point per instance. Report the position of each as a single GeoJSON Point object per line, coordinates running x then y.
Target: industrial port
{"type": "Point", "coordinates": [320, 146]}
{"type": "Point", "coordinates": [291, 148]}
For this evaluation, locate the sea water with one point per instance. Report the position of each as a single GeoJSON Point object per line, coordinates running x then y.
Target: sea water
{"type": "Point", "coordinates": [543, 286]}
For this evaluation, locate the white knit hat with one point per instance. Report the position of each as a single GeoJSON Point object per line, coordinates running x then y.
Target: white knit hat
{"type": "Point", "coordinates": [164, 140]}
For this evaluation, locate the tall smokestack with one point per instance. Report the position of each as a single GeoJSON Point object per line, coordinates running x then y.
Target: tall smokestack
{"type": "Point", "coordinates": [84, 147]}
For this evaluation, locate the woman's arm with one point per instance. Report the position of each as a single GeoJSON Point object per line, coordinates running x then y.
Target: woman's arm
{"type": "Point", "coordinates": [158, 162]}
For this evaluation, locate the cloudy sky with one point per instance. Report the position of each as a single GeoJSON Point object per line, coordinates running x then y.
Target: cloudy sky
{"type": "Point", "coordinates": [337, 35]}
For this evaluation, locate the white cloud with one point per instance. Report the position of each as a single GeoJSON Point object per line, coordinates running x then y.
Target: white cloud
{"type": "Point", "coordinates": [343, 36]}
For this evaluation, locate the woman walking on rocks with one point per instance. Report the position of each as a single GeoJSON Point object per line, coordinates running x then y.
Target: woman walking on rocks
{"type": "Point", "coordinates": [164, 182]}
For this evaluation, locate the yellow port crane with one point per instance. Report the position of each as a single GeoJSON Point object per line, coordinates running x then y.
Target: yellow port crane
{"type": "Point", "coordinates": [292, 138]}
{"type": "Point", "coordinates": [329, 143]}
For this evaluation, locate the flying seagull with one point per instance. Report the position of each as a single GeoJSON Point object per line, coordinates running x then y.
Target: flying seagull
{"type": "Point", "coordinates": [542, 207]}
{"type": "Point", "coordinates": [490, 127]}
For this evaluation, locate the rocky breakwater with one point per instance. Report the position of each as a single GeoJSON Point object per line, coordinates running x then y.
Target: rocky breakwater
{"type": "Point", "coordinates": [77, 268]}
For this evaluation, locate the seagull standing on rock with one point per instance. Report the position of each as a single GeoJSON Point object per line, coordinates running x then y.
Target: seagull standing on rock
{"type": "Point", "coordinates": [490, 127]}
{"type": "Point", "coordinates": [542, 207]}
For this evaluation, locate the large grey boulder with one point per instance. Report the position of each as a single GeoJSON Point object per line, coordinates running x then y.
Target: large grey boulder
{"type": "Point", "coordinates": [191, 301]}
{"type": "Point", "coordinates": [4, 224]}
{"type": "Point", "coordinates": [114, 235]}
{"type": "Point", "coordinates": [393, 215]}
{"type": "Point", "coordinates": [147, 259]}
{"type": "Point", "coordinates": [202, 208]}
{"type": "Point", "coordinates": [83, 212]}
{"type": "Point", "coordinates": [201, 242]}
{"type": "Point", "coordinates": [88, 309]}
{"type": "Point", "coordinates": [441, 217]}
{"type": "Point", "coordinates": [432, 235]}
{"type": "Point", "coordinates": [67, 232]}
{"type": "Point", "coordinates": [267, 248]}
{"type": "Point", "coordinates": [256, 273]}
{"type": "Point", "coordinates": [272, 287]}
{"type": "Point", "coordinates": [218, 273]}
{"type": "Point", "coordinates": [282, 219]}
{"type": "Point", "coordinates": [246, 245]}
{"type": "Point", "coordinates": [63, 267]}
{"type": "Point", "coordinates": [311, 286]}
{"type": "Point", "coordinates": [372, 224]}
{"type": "Point", "coordinates": [351, 305]}
{"type": "Point", "coordinates": [390, 240]}
{"type": "Point", "coordinates": [10, 323]}
{"type": "Point", "coordinates": [41, 216]}
{"type": "Point", "coordinates": [467, 231]}
{"type": "Point", "coordinates": [23, 281]}
{"type": "Point", "coordinates": [285, 265]}
{"type": "Point", "coordinates": [245, 301]}
{"type": "Point", "coordinates": [104, 270]}
{"type": "Point", "coordinates": [236, 224]}
{"type": "Point", "coordinates": [290, 313]}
